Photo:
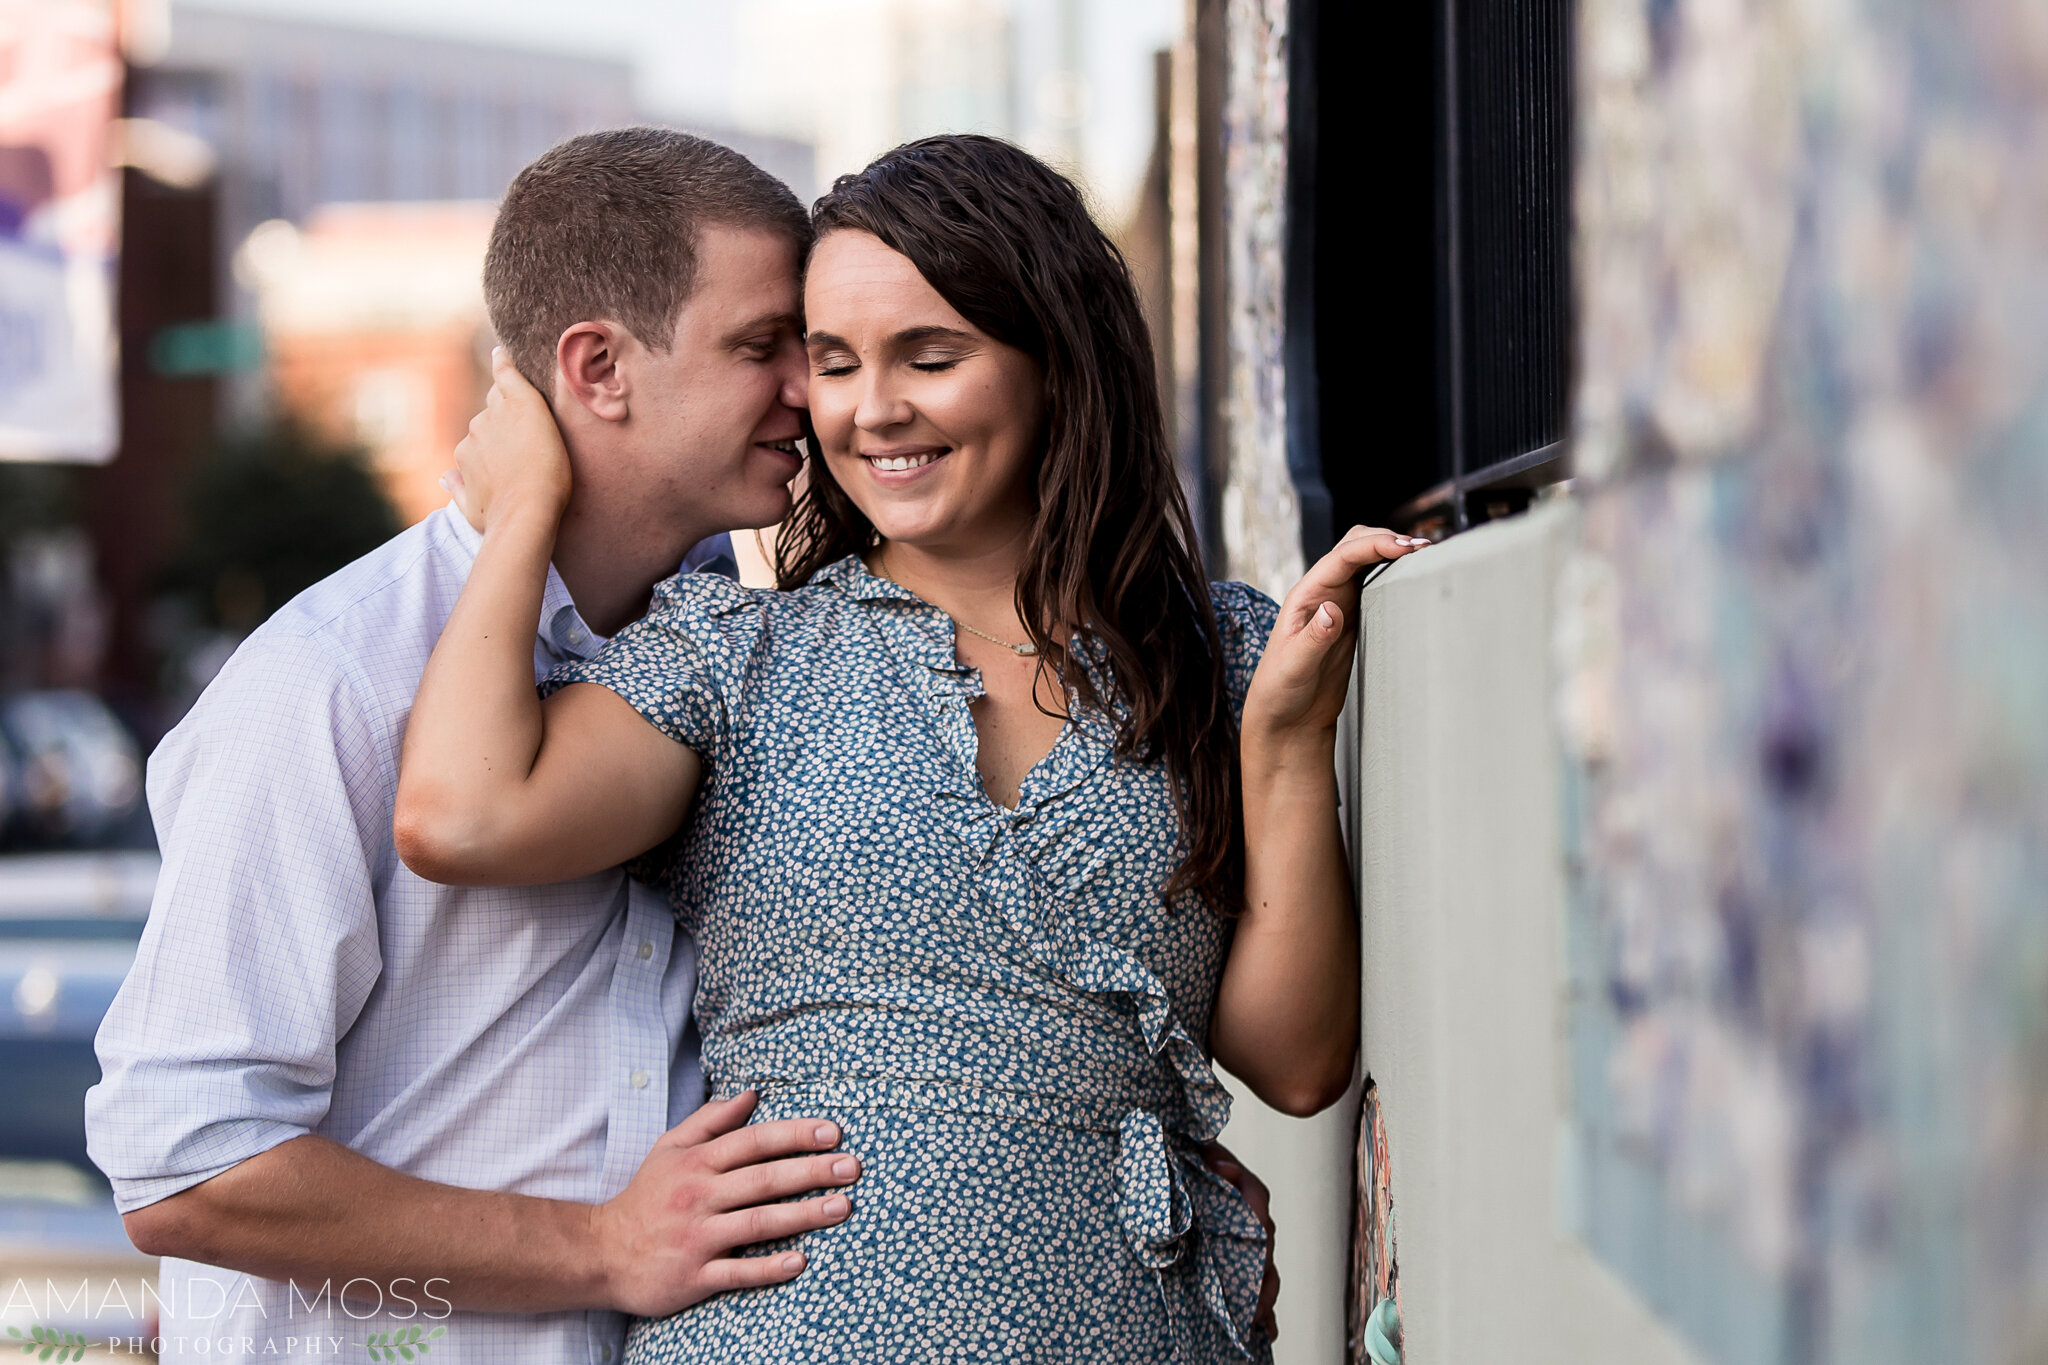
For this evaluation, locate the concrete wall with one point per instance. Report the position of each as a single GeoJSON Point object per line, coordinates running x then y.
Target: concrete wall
{"type": "Point", "coordinates": [1454, 816]}
{"type": "Point", "coordinates": [1461, 889]}
{"type": "Point", "coordinates": [1307, 1165]}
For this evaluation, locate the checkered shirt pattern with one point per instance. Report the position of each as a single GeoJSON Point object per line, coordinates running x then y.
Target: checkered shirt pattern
{"type": "Point", "coordinates": [294, 977]}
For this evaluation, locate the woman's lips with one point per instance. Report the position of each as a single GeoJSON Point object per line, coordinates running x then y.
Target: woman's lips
{"type": "Point", "coordinates": [898, 467]}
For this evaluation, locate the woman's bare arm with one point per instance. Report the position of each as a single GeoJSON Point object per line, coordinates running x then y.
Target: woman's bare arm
{"type": "Point", "coordinates": [494, 788]}
{"type": "Point", "coordinates": [1286, 1016]}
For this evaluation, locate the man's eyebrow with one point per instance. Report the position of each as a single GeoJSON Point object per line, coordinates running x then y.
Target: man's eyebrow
{"type": "Point", "coordinates": [767, 322]}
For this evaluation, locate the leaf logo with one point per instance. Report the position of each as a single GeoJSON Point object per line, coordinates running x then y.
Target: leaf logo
{"type": "Point", "coordinates": [51, 1343]}
{"type": "Point", "coordinates": [407, 1343]}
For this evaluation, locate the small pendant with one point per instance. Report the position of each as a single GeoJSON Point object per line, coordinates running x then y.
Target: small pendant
{"type": "Point", "coordinates": [1026, 648]}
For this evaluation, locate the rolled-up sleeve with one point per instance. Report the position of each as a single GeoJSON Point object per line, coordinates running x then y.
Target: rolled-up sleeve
{"type": "Point", "coordinates": [262, 944]}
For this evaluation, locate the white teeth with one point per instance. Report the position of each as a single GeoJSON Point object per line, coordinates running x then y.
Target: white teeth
{"type": "Point", "coordinates": [901, 462]}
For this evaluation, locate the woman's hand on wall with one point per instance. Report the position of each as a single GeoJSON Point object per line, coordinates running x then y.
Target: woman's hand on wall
{"type": "Point", "coordinates": [1300, 685]}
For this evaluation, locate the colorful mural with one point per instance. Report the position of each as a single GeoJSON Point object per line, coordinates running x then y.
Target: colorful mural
{"type": "Point", "coordinates": [1372, 1333]}
{"type": "Point", "coordinates": [60, 214]}
{"type": "Point", "coordinates": [1804, 652]}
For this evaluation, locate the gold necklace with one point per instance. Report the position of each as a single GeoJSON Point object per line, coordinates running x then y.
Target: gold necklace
{"type": "Point", "coordinates": [1025, 650]}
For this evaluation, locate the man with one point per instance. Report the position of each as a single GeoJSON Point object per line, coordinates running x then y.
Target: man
{"type": "Point", "coordinates": [326, 1075]}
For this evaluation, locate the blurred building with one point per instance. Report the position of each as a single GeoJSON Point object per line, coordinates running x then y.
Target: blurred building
{"type": "Point", "coordinates": [310, 114]}
{"type": "Point", "coordinates": [374, 325]}
{"type": "Point", "coordinates": [856, 77]}
{"type": "Point", "coordinates": [355, 174]}
{"type": "Point", "coordinates": [1082, 91]}
{"type": "Point", "coordinates": [305, 114]}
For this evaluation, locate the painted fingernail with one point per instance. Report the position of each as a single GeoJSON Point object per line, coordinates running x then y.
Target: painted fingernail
{"type": "Point", "coordinates": [826, 1134]}
{"type": "Point", "coordinates": [838, 1206]}
{"type": "Point", "coordinates": [1403, 540]}
{"type": "Point", "coordinates": [793, 1262]}
{"type": "Point", "coordinates": [1326, 618]}
{"type": "Point", "coordinates": [444, 483]}
{"type": "Point", "coordinates": [846, 1168]}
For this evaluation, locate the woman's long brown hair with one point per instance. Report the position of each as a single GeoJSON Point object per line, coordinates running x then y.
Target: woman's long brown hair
{"type": "Point", "coordinates": [1008, 242]}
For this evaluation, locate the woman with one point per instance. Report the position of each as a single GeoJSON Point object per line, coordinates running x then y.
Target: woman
{"type": "Point", "coordinates": [967, 868]}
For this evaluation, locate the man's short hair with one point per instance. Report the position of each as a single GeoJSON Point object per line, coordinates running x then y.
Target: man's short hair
{"type": "Point", "coordinates": [605, 226]}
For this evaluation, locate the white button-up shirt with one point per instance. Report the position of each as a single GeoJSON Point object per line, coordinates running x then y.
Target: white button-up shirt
{"type": "Point", "coordinates": [295, 977]}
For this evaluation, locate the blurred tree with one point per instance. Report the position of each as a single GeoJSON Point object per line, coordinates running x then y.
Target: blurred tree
{"type": "Point", "coordinates": [36, 497]}
{"type": "Point", "coordinates": [268, 516]}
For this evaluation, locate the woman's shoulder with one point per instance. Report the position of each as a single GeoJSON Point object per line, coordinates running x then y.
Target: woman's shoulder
{"type": "Point", "coordinates": [1244, 621]}
{"type": "Point", "coordinates": [705, 593]}
{"type": "Point", "coordinates": [1242, 610]}
{"type": "Point", "coordinates": [714, 602]}
{"type": "Point", "coordinates": [1241, 599]}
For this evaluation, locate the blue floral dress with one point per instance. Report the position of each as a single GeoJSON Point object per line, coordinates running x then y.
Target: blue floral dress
{"type": "Point", "coordinates": [992, 1002]}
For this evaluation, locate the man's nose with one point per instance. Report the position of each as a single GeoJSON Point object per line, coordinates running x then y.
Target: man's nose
{"type": "Point", "coordinates": [796, 378]}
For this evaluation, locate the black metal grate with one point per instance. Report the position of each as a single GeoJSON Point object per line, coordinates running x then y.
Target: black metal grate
{"type": "Point", "coordinates": [1431, 205]}
{"type": "Point", "coordinates": [1507, 207]}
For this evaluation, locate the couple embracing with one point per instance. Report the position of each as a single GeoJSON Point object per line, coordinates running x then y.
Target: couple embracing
{"type": "Point", "coordinates": [953, 863]}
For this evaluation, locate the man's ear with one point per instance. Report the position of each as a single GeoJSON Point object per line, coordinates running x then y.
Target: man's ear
{"type": "Point", "coordinates": [587, 370]}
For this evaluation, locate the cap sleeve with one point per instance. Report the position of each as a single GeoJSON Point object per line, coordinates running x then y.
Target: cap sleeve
{"type": "Point", "coordinates": [685, 663]}
{"type": "Point", "coordinates": [1244, 619]}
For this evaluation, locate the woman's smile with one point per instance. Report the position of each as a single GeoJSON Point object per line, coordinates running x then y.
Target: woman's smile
{"type": "Point", "coordinates": [901, 466]}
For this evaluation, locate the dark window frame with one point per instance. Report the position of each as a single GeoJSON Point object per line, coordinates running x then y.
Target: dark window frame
{"type": "Point", "coordinates": [1429, 206]}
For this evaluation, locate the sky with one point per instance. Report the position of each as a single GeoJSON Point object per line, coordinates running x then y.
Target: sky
{"type": "Point", "coordinates": [685, 55]}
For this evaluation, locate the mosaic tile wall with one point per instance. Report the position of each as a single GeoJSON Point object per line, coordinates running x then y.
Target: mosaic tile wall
{"type": "Point", "coordinates": [1804, 653]}
{"type": "Point", "coordinates": [1261, 516]}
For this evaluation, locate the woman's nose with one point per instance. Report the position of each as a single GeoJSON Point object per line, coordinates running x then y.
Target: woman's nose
{"type": "Point", "coordinates": [880, 407]}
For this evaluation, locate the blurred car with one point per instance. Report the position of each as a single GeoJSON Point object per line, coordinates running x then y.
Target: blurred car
{"type": "Point", "coordinates": [69, 924]}
{"type": "Point", "coordinates": [75, 774]}
{"type": "Point", "coordinates": [10, 780]}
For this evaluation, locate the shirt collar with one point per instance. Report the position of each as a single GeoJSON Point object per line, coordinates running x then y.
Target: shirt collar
{"type": "Point", "coordinates": [563, 631]}
{"type": "Point", "coordinates": [851, 576]}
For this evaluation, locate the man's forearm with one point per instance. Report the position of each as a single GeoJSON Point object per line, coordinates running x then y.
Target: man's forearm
{"type": "Point", "coordinates": [312, 1211]}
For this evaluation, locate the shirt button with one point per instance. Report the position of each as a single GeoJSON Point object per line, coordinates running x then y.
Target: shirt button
{"type": "Point", "coordinates": [646, 951]}
{"type": "Point", "coordinates": [639, 1080]}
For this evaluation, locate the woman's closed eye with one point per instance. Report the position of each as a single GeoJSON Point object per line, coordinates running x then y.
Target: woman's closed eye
{"type": "Point", "coordinates": [831, 357]}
